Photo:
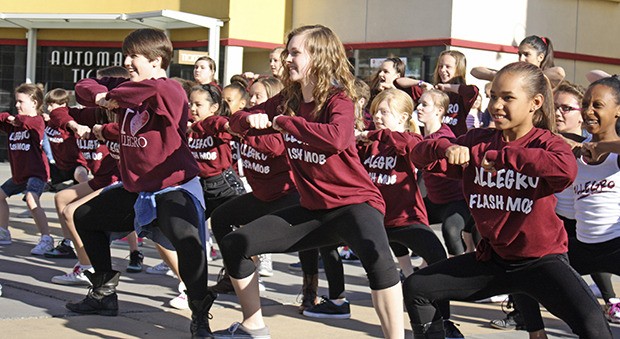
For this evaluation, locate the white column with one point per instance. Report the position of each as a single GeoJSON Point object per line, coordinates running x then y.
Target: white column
{"type": "Point", "coordinates": [31, 55]}
{"type": "Point", "coordinates": [233, 63]}
{"type": "Point", "coordinates": [167, 32]}
{"type": "Point", "coordinates": [214, 44]}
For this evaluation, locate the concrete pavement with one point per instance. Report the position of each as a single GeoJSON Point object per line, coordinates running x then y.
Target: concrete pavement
{"type": "Point", "coordinates": [32, 307]}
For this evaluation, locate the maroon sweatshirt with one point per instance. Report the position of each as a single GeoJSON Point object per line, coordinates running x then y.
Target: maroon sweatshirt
{"type": "Point", "coordinates": [210, 145]}
{"type": "Point", "coordinates": [513, 207]}
{"type": "Point", "coordinates": [322, 153]}
{"type": "Point", "coordinates": [154, 151]}
{"type": "Point", "coordinates": [266, 167]}
{"type": "Point", "coordinates": [458, 109]}
{"type": "Point", "coordinates": [439, 189]}
{"type": "Point", "coordinates": [387, 162]}
{"type": "Point", "coordinates": [91, 150]}
{"type": "Point", "coordinates": [25, 153]}
{"type": "Point", "coordinates": [63, 143]}
{"type": "Point", "coordinates": [111, 134]}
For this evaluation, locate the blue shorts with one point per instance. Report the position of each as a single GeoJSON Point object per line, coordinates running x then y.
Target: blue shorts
{"type": "Point", "coordinates": [33, 185]}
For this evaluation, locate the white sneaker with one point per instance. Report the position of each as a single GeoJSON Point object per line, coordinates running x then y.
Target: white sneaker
{"type": "Point", "coordinates": [494, 299]}
{"type": "Point", "coordinates": [75, 277]}
{"type": "Point", "coordinates": [265, 265]}
{"type": "Point", "coordinates": [180, 302]}
{"type": "Point", "coordinates": [5, 236]}
{"type": "Point", "coordinates": [161, 269]}
{"type": "Point", "coordinates": [46, 244]}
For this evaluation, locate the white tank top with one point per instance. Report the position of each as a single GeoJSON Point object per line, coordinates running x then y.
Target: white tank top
{"type": "Point", "coordinates": [597, 200]}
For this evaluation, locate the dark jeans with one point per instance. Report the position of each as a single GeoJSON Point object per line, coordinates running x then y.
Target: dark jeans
{"type": "Point", "coordinates": [220, 189]}
{"type": "Point", "coordinates": [296, 228]}
{"type": "Point", "coordinates": [177, 218]}
{"type": "Point", "coordinates": [549, 279]}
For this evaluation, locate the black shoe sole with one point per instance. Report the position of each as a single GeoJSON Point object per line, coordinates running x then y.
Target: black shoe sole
{"type": "Point", "coordinates": [51, 256]}
{"type": "Point", "coordinates": [107, 313]}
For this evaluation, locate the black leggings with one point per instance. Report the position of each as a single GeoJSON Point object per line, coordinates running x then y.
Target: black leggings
{"type": "Point", "coordinates": [422, 241]}
{"type": "Point", "coordinates": [332, 263]}
{"type": "Point", "coordinates": [585, 259]}
{"type": "Point", "coordinates": [602, 279]}
{"type": "Point", "coordinates": [177, 218]}
{"type": "Point", "coordinates": [296, 228]}
{"type": "Point", "coordinates": [243, 209]}
{"type": "Point", "coordinates": [419, 238]}
{"type": "Point", "coordinates": [453, 216]}
{"type": "Point", "coordinates": [549, 279]}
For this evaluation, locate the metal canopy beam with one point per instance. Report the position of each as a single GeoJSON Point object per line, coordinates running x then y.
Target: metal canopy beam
{"type": "Point", "coordinates": [163, 19]}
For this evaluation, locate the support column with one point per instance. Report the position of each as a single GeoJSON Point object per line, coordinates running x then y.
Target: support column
{"type": "Point", "coordinates": [214, 44]}
{"type": "Point", "coordinates": [233, 63]}
{"type": "Point", "coordinates": [31, 55]}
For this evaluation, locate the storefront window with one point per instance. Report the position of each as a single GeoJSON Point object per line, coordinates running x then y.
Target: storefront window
{"type": "Point", "coordinates": [420, 61]}
{"type": "Point", "coordinates": [62, 67]}
{"type": "Point", "coordinates": [12, 73]}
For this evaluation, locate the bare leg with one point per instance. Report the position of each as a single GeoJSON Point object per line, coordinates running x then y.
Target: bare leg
{"type": "Point", "coordinates": [388, 304]}
{"type": "Point", "coordinates": [38, 214]}
{"type": "Point", "coordinates": [81, 174]}
{"type": "Point", "coordinates": [540, 334]}
{"type": "Point", "coordinates": [132, 241]}
{"type": "Point", "coordinates": [170, 258]}
{"type": "Point", "coordinates": [4, 211]}
{"type": "Point", "coordinates": [249, 298]}
{"type": "Point", "coordinates": [470, 246]}
{"type": "Point", "coordinates": [64, 198]}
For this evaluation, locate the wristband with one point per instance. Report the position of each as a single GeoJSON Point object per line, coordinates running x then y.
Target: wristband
{"type": "Point", "coordinates": [420, 83]}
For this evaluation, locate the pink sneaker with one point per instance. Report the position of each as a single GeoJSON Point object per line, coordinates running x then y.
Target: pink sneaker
{"type": "Point", "coordinates": [612, 310]}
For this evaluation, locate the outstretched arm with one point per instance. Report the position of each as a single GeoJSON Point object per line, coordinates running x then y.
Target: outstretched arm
{"type": "Point", "coordinates": [483, 73]}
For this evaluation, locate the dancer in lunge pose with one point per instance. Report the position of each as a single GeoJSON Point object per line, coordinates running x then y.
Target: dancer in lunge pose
{"type": "Point", "coordinates": [509, 177]}
{"type": "Point", "coordinates": [160, 190]}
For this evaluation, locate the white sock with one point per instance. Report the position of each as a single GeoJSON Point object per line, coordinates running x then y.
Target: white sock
{"type": "Point", "coordinates": [339, 301]}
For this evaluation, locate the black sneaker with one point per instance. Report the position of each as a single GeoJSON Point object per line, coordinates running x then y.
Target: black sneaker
{"type": "Point", "coordinates": [135, 262]}
{"type": "Point", "coordinates": [63, 250]}
{"type": "Point", "coordinates": [450, 330]}
{"type": "Point", "coordinates": [238, 331]}
{"type": "Point", "coordinates": [224, 284]}
{"type": "Point", "coordinates": [513, 321]}
{"type": "Point", "coordinates": [327, 309]}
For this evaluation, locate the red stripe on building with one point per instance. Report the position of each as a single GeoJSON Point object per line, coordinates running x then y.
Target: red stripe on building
{"type": "Point", "coordinates": [249, 43]}
{"type": "Point", "coordinates": [14, 42]}
{"type": "Point", "coordinates": [96, 44]}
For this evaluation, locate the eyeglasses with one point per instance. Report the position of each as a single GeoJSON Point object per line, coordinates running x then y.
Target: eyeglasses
{"type": "Point", "coordinates": [564, 109]}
